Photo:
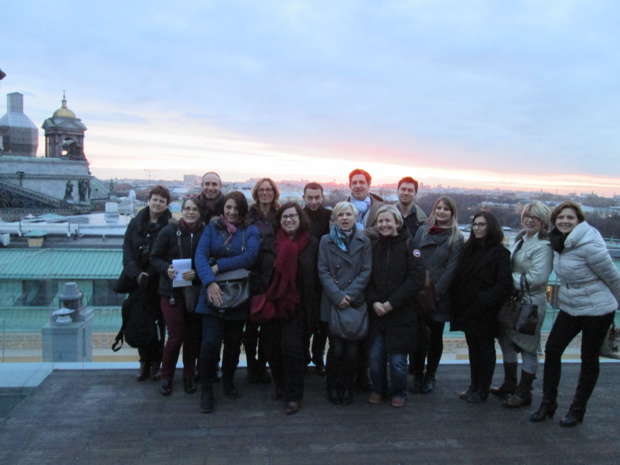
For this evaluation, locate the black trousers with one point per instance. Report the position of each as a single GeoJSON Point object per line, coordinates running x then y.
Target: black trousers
{"type": "Point", "coordinates": [593, 330]}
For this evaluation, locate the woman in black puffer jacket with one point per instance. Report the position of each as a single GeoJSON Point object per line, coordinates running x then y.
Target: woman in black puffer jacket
{"type": "Point", "coordinates": [184, 326]}
{"type": "Point", "coordinates": [397, 276]}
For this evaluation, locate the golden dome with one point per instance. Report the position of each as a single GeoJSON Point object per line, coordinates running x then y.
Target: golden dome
{"type": "Point", "coordinates": [63, 112]}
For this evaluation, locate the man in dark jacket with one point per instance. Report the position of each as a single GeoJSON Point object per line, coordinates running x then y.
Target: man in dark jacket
{"type": "Point", "coordinates": [412, 214]}
{"type": "Point", "coordinates": [211, 196]}
{"type": "Point", "coordinates": [318, 214]}
{"type": "Point", "coordinates": [319, 226]}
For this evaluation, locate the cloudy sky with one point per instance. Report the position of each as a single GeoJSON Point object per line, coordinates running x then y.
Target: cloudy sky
{"type": "Point", "coordinates": [473, 93]}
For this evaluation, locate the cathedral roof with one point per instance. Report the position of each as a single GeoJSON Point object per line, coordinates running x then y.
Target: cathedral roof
{"type": "Point", "coordinates": [63, 111]}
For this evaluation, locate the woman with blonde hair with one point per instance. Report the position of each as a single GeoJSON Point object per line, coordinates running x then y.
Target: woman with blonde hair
{"type": "Point", "coordinates": [344, 264]}
{"type": "Point", "coordinates": [532, 258]}
{"type": "Point", "coordinates": [441, 244]}
{"type": "Point", "coordinates": [397, 275]}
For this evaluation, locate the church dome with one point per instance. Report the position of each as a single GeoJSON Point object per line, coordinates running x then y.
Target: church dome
{"type": "Point", "coordinates": [63, 112]}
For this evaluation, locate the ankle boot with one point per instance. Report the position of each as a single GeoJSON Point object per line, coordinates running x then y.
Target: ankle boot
{"type": "Point", "coordinates": [206, 398]}
{"type": "Point", "coordinates": [573, 416]}
{"type": "Point", "coordinates": [523, 395]}
{"type": "Point", "coordinates": [155, 373]}
{"type": "Point", "coordinates": [469, 391]}
{"type": "Point", "coordinates": [547, 409]}
{"type": "Point", "coordinates": [166, 387]}
{"type": "Point", "coordinates": [229, 387]}
{"type": "Point", "coordinates": [418, 382]}
{"type": "Point", "coordinates": [479, 395]}
{"type": "Point", "coordinates": [145, 368]}
{"type": "Point", "coordinates": [189, 385]}
{"type": "Point", "coordinates": [509, 385]}
{"type": "Point", "coordinates": [429, 383]}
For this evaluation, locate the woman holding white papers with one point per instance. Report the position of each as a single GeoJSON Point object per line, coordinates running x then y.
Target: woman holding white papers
{"type": "Point", "coordinates": [174, 247]}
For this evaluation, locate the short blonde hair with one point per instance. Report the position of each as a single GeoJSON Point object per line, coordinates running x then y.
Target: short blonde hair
{"type": "Point", "coordinates": [394, 211]}
{"type": "Point", "coordinates": [340, 207]}
{"type": "Point", "coordinates": [542, 212]}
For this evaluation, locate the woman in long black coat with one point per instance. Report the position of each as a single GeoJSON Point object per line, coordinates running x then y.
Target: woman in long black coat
{"type": "Point", "coordinates": [397, 276]}
{"type": "Point", "coordinates": [482, 284]}
{"type": "Point", "coordinates": [291, 299]}
{"type": "Point", "coordinates": [141, 278]}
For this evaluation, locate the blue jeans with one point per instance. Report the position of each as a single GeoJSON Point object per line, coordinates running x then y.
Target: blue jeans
{"type": "Point", "coordinates": [215, 332]}
{"type": "Point", "coordinates": [379, 361]}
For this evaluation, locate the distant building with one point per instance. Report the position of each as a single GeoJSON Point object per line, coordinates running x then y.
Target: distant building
{"type": "Point", "coordinates": [64, 134]}
{"type": "Point", "coordinates": [18, 135]}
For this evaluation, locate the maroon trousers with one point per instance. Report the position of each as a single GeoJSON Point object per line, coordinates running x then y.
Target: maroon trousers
{"type": "Point", "coordinates": [184, 329]}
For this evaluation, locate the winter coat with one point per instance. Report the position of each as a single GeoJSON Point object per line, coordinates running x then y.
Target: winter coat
{"type": "Point", "coordinates": [166, 249]}
{"type": "Point", "coordinates": [535, 259]}
{"type": "Point", "coordinates": [414, 219]}
{"type": "Point", "coordinates": [233, 256]}
{"type": "Point", "coordinates": [590, 282]}
{"type": "Point", "coordinates": [137, 246]}
{"type": "Point", "coordinates": [263, 267]}
{"type": "Point", "coordinates": [441, 260]}
{"type": "Point", "coordinates": [308, 287]}
{"type": "Point", "coordinates": [319, 221]}
{"type": "Point", "coordinates": [397, 276]}
{"type": "Point", "coordinates": [482, 284]}
{"type": "Point", "coordinates": [344, 273]}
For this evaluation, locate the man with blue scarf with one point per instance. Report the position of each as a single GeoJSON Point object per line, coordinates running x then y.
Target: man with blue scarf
{"type": "Point", "coordinates": [367, 204]}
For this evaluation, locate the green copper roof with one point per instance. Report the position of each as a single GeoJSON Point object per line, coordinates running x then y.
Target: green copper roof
{"type": "Point", "coordinates": [60, 263]}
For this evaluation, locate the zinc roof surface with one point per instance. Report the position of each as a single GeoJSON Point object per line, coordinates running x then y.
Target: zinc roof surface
{"type": "Point", "coordinates": [60, 263]}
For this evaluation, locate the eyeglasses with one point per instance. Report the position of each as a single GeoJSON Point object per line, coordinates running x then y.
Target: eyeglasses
{"type": "Point", "coordinates": [289, 217]}
{"type": "Point", "coordinates": [267, 190]}
{"type": "Point", "coordinates": [478, 225]}
{"type": "Point", "coordinates": [190, 209]}
{"type": "Point", "coordinates": [531, 218]}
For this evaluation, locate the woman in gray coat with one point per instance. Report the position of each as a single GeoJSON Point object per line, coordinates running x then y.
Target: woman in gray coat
{"type": "Point", "coordinates": [345, 265]}
{"type": "Point", "coordinates": [532, 258]}
{"type": "Point", "coordinates": [589, 294]}
{"type": "Point", "coordinates": [441, 244]}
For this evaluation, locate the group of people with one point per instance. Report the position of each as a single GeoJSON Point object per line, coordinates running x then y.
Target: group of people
{"type": "Point", "coordinates": [354, 275]}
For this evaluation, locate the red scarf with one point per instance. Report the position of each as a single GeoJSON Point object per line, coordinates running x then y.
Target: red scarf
{"type": "Point", "coordinates": [282, 297]}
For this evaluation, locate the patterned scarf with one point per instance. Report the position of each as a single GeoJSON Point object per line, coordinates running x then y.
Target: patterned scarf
{"type": "Point", "coordinates": [342, 239]}
{"type": "Point", "coordinates": [362, 208]}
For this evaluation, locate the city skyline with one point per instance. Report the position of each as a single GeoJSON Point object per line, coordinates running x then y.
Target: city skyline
{"type": "Point", "coordinates": [485, 95]}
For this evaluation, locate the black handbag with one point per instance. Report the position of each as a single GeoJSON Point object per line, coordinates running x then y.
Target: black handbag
{"type": "Point", "coordinates": [235, 287]}
{"type": "Point", "coordinates": [518, 314]}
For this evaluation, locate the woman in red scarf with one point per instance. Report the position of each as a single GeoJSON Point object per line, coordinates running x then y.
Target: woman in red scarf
{"type": "Point", "coordinates": [289, 304]}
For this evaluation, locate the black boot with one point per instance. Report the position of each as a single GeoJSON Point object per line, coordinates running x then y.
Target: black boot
{"type": "Point", "coordinates": [469, 391]}
{"type": "Point", "coordinates": [189, 385]}
{"type": "Point", "coordinates": [547, 409]}
{"type": "Point", "coordinates": [573, 416]}
{"type": "Point", "coordinates": [145, 368]}
{"type": "Point", "coordinates": [523, 395]}
{"type": "Point", "coordinates": [479, 395]}
{"type": "Point", "coordinates": [166, 387]}
{"type": "Point", "coordinates": [155, 372]}
{"type": "Point", "coordinates": [416, 385]}
{"type": "Point", "coordinates": [206, 398]}
{"type": "Point", "coordinates": [429, 383]}
{"type": "Point", "coordinates": [229, 387]}
{"type": "Point", "coordinates": [509, 385]}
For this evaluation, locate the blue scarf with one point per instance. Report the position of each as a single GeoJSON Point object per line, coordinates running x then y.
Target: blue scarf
{"type": "Point", "coordinates": [341, 239]}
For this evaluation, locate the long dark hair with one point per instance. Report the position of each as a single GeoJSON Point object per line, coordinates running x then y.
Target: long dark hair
{"type": "Point", "coordinates": [494, 235]}
{"type": "Point", "coordinates": [242, 206]}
